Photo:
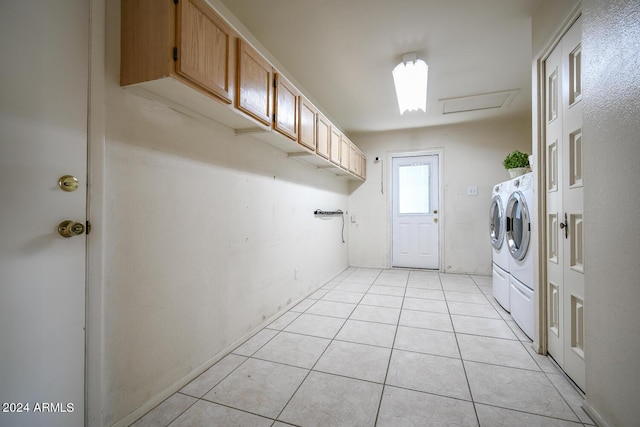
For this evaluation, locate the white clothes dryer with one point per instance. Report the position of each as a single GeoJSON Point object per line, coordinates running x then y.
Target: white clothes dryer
{"type": "Point", "coordinates": [518, 229]}
{"type": "Point", "coordinates": [497, 224]}
{"type": "Point", "coordinates": [519, 235]}
{"type": "Point", "coordinates": [500, 251]}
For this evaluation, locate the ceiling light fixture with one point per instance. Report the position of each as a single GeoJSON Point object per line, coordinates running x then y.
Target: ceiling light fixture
{"type": "Point", "coordinates": [410, 78]}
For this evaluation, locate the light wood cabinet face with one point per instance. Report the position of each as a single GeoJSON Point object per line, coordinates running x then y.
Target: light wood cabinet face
{"type": "Point", "coordinates": [336, 146]}
{"type": "Point", "coordinates": [286, 106]}
{"type": "Point", "coordinates": [354, 160]}
{"type": "Point", "coordinates": [345, 151]}
{"type": "Point", "coordinates": [323, 141]}
{"type": "Point", "coordinates": [146, 40]}
{"type": "Point", "coordinates": [254, 85]}
{"type": "Point", "coordinates": [307, 133]}
{"type": "Point", "coordinates": [204, 44]}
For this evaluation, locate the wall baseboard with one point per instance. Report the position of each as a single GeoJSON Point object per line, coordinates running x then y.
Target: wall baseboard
{"type": "Point", "coordinates": [595, 415]}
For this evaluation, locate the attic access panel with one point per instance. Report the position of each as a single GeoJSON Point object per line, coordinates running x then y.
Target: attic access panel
{"type": "Point", "coordinates": [478, 102]}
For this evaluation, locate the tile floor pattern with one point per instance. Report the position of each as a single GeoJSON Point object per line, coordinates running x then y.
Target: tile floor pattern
{"type": "Point", "coordinates": [384, 348]}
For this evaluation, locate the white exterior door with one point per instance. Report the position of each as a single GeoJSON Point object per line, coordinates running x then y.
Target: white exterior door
{"type": "Point", "coordinates": [564, 188]}
{"type": "Point", "coordinates": [43, 136]}
{"type": "Point", "coordinates": [415, 198]}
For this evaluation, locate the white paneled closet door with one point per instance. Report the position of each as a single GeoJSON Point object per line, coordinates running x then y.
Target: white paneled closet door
{"type": "Point", "coordinates": [564, 189]}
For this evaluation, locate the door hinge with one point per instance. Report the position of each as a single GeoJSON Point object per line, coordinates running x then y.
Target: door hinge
{"type": "Point", "coordinates": [274, 117]}
{"type": "Point", "coordinates": [88, 227]}
{"type": "Point", "coordinates": [175, 53]}
{"type": "Point", "coordinates": [274, 83]}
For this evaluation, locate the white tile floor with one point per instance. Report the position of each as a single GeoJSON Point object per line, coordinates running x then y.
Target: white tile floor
{"type": "Point", "coordinates": [384, 348]}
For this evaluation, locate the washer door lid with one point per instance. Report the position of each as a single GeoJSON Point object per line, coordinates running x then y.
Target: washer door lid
{"type": "Point", "coordinates": [496, 225]}
{"type": "Point", "coordinates": [518, 226]}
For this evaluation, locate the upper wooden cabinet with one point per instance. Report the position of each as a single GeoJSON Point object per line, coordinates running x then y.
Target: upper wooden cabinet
{"type": "Point", "coordinates": [354, 160]}
{"type": "Point", "coordinates": [307, 122]}
{"type": "Point", "coordinates": [186, 55]}
{"type": "Point", "coordinates": [363, 167]}
{"type": "Point", "coordinates": [335, 146]}
{"type": "Point", "coordinates": [286, 107]}
{"type": "Point", "coordinates": [357, 161]}
{"type": "Point", "coordinates": [323, 140]}
{"type": "Point", "coordinates": [187, 41]}
{"type": "Point", "coordinates": [254, 93]}
{"type": "Point", "coordinates": [345, 151]}
{"type": "Point", "coordinates": [205, 48]}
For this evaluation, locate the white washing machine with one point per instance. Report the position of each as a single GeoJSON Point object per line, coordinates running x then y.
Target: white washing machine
{"type": "Point", "coordinates": [519, 235]}
{"type": "Point", "coordinates": [500, 250]}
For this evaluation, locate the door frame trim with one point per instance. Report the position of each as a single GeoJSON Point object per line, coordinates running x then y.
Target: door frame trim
{"type": "Point", "coordinates": [540, 176]}
{"type": "Point", "coordinates": [439, 151]}
{"type": "Point", "coordinates": [95, 383]}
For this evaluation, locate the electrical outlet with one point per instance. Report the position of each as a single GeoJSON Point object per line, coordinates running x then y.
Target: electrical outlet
{"type": "Point", "coordinates": [472, 191]}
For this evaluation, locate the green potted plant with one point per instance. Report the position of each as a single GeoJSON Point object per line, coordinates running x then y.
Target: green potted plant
{"type": "Point", "coordinates": [517, 163]}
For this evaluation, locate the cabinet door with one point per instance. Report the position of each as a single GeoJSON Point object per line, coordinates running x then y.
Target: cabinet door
{"type": "Point", "coordinates": [285, 107]}
{"type": "Point", "coordinates": [363, 167]}
{"type": "Point", "coordinates": [354, 160]}
{"type": "Point", "coordinates": [254, 84]}
{"type": "Point", "coordinates": [345, 150]}
{"type": "Point", "coordinates": [145, 40]}
{"type": "Point", "coordinates": [323, 140]}
{"type": "Point", "coordinates": [205, 44]}
{"type": "Point", "coordinates": [336, 145]}
{"type": "Point", "coordinates": [307, 133]}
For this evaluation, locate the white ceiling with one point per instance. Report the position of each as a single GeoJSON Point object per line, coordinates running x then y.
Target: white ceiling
{"type": "Point", "coordinates": [342, 52]}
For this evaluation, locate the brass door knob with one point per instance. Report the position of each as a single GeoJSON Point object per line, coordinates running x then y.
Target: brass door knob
{"type": "Point", "coordinates": [68, 183]}
{"type": "Point", "coordinates": [70, 228]}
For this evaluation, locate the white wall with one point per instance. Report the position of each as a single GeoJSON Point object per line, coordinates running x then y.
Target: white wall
{"type": "Point", "coordinates": [203, 231]}
{"type": "Point", "coordinates": [611, 98]}
{"type": "Point", "coordinates": [473, 155]}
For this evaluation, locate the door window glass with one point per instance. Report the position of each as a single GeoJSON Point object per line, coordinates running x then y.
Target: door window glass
{"type": "Point", "coordinates": [413, 189]}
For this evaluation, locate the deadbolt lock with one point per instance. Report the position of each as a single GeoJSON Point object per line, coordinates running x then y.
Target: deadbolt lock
{"type": "Point", "coordinates": [68, 183]}
{"type": "Point", "coordinates": [70, 228]}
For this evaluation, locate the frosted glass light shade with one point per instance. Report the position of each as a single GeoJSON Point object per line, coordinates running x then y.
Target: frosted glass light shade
{"type": "Point", "coordinates": [410, 78]}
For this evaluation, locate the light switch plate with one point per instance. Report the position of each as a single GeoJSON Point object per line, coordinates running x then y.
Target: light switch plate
{"type": "Point", "coordinates": [472, 191]}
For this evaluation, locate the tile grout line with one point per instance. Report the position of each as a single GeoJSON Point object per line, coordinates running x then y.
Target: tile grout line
{"type": "Point", "coordinates": [175, 418]}
{"type": "Point", "coordinates": [237, 367]}
{"type": "Point", "coordinates": [533, 413]}
{"type": "Point", "coordinates": [316, 362]}
{"type": "Point", "coordinates": [230, 372]}
{"type": "Point", "coordinates": [464, 368]}
{"type": "Point", "coordinates": [571, 384]}
{"type": "Point", "coordinates": [393, 343]}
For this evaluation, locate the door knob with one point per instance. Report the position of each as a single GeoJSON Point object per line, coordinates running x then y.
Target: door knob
{"type": "Point", "coordinates": [70, 228]}
{"type": "Point", "coordinates": [68, 183]}
{"type": "Point", "coordinates": [435, 219]}
{"type": "Point", "coordinates": [565, 226]}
